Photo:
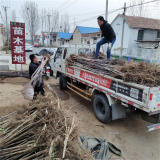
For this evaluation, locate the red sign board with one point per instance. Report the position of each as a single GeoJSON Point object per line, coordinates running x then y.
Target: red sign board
{"type": "Point", "coordinates": [18, 42]}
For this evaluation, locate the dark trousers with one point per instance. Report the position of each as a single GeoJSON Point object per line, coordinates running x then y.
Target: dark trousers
{"type": "Point", "coordinates": [101, 42]}
{"type": "Point", "coordinates": [38, 89]}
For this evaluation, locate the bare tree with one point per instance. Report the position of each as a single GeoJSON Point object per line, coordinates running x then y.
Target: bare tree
{"type": "Point", "coordinates": [13, 16]}
{"type": "Point", "coordinates": [64, 25]}
{"type": "Point", "coordinates": [55, 21]}
{"type": "Point", "coordinates": [43, 22]}
{"type": "Point", "coordinates": [31, 16]}
{"type": "Point", "coordinates": [157, 8]}
{"type": "Point", "coordinates": [43, 18]}
{"type": "Point", "coordinates": [139, 10]}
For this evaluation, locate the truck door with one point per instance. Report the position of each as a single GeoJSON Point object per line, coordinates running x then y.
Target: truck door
{"type": "Point", "coordinates": [63, 60]}
{"type": "Point", "coordinates": [57, 62]}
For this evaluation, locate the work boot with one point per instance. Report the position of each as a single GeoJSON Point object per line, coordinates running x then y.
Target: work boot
{"type": "Point", "coordinates": [35, 96]}
{"type": "Point", "coordinates": [42, 93]}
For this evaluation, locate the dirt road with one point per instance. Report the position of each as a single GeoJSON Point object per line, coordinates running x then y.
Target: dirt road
{"type": "Point", "coordinates": [128, 134]}
{"type": "Point", "coordinates": [11, 97]}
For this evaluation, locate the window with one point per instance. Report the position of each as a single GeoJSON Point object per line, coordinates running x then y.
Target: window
{"type": "Point", "coordinates": [65, 52]}
{"type": "Point", "coordinates": [140, 35]}
{"type": "Point", "coordinates": [45, 52]}
{"type": "Point", "coordinates": [158, 34]}
{"type": "Point", "coordinates": [59, 53]}
{"type": "Point", "coordinates": [94, 40]}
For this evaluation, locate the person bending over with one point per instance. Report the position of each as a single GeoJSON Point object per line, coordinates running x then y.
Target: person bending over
{"type": "Point", "coordinates": [109, 37]}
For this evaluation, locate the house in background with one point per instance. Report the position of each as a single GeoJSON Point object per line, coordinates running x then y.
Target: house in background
{"type": "Point", "coordinates": [141, 36]}
{"type": "Point", "coordinates": [58, 38]}
{"type": "Point", "coordinates": [85, 35]}
{"type": "Point", "coordinates": [63, 38]}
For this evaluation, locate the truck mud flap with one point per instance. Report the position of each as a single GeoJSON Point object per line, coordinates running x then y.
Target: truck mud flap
{"type": "Point", "coordinates": [118, 111]}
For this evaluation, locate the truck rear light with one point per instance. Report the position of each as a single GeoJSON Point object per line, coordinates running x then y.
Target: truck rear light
{"type": "Point", "coordinates": [47, 71]}
{"type": "Point", "coordinates": [151, 96]}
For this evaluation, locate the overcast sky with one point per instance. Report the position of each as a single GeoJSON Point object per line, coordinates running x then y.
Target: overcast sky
{"type": "Point", "coordinates": [77, 9]}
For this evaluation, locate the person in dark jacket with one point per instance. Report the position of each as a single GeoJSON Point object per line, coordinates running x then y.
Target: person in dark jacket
{"type": "Point", "coordinates": [109, 37]}
{"type": "Point", "coordinates": [32, 67]}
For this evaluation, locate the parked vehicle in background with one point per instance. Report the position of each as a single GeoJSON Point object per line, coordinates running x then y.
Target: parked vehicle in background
{"type": "Point", "coordinates": [36, 45]}
{"type": "Point", "coordinates": [28, 47]}
{"type": "Point", "coordinates": [51, 52]}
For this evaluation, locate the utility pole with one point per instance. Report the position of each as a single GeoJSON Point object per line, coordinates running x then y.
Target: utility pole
{"type": "Point", "coordinates": [106, 17]}
{"type": "Point", "coordinates": [49, 29]}
{"type": "Point", "coordinates": [5, 9]}
{"type": "Point", "coordinates": [124, 19]}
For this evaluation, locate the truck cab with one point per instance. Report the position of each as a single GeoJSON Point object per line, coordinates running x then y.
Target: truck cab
{"type": "Point", "coordinates": [62, 53]}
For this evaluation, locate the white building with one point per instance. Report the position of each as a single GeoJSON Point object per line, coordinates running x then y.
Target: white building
{"type": "Point", "coordinates": [86, 35]}
{"type": "Point", "coordinates": [141, 36]}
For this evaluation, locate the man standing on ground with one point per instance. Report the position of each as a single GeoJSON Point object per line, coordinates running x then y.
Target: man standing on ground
{"type": "Point", "coordinates": [109, 37]}
{"type": "Point", "coordinates": [32, 67]}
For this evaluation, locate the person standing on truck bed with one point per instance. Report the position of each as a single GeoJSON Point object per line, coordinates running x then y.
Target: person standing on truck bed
{"type": "Point", "coordinates": [109, 37]}
{"type": "Point", "coordinates": [32, 68]}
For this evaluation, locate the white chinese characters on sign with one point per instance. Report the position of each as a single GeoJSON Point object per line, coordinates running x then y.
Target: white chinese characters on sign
{"type": "Point", "coordinates": [18, 59]}
{"type": "Point", "coordinates": [18, 40]}
{"type": "Point", "coordinates": [18, 31]}
{"type": "Point", "coordinates": [18, 49]}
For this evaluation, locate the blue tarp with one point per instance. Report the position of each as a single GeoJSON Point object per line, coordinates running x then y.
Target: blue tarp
{"type": "Point", "coordinates": [85, 30]}
{"type": "Point", "coordinates": [64, 35]}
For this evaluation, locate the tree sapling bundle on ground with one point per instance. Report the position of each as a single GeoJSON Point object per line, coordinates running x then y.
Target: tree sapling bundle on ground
{"type": "Point", "coordinates": [40, 131]}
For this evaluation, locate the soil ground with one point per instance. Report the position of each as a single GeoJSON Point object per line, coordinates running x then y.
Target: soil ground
{"type": "Point", "coordinates": [129, 134]}
{"type": "Point", "coordinates": [11, 97]}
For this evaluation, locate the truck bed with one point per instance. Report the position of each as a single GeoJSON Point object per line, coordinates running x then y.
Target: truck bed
{"type": "Point", "coordinates": [139, 96]}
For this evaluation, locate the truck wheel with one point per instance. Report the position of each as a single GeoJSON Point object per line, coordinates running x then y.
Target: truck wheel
{"type": "Point", "coordinates": [151, 119]}
{"type": "Point", "coordinates": [62, 82]}
{"type": "Point", "coordinates": [102, 109]}
{"type": "Point", "coordinates": [51, 72]}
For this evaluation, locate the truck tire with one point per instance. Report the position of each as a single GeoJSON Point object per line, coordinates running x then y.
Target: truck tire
{"type": "Point", "coordinates": [51, 72]}
{"type": "Point", "coordinates": [151, 119]}
{"type": "Point", "coordinates": [62, 82]}
{"type": "Point", "coordinates": [102, 109]}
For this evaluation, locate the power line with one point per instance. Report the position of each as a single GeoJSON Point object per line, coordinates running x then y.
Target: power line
{"type": "Point", "coordinates": [142, 3]}
{"type": "Point", "coordinates": [63, 4]}
{"type": "Point", "coordinates": [118, 10]}
{"type": "Point", "coordinates": [69, 5]}
{"type": "Point", "coordinates": [102, 14]}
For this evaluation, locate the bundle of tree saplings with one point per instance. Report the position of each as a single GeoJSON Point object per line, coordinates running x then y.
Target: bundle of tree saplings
{"type": "Point", "coordinates": [143, 73]}
{"type": "Point", "coordinates": [98, 66]}
{"type": "Point", "coordinates": [40, 131]}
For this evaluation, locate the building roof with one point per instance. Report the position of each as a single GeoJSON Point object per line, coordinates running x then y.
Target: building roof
{"type": "Point", "coordinates": [142, 22]}
{"type": "Point", "coordinates": [64, 35]}
{"type": "Point", "coordinates": [85, 30]}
